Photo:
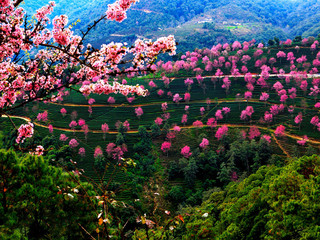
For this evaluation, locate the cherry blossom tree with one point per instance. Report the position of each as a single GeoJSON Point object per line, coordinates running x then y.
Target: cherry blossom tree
{"type": "Point", "coordinates": [303, 141]}
{"type": "Point", "coordinates": [187, 97]}
{"type": "Point", "coordinates": [73, 143]}
{"type": "Point", "coordinates": [158, 121]}
{"type": "Point", "coordinates": [63, 111]}
{"type": "Point", "coordinates": [204, 143]}
{"type": "Point", "coordinates": [197, 124]}
{"type": "Point", "coordinates": [212, 123]}
{"type": "Point", "coordinates": [226, 84]}
{"type": "Point", "coordinates": [82, 152]}
{"type": "Point", "coordinates": [73, 125]}
{"type": "Point", "coordinates": [254, 132]}
{"type": "Point", "coordinates": [221, 132]}
{"type": "Point", "coordinates": [184, 119]}
{"type": "Point", "coordinates": [43, 116]}
{"type": "Point", "coordinates": [185, 151]}
{"type": "Point", "coordinates": [97, 152]}
{"type": "Point", "coordinates": [138, 112]}
{"type": "Point", "coordinates": [279, 132]}
{"type": "Point", "coordinates": [298, 119]}
{"type": "Point", "coordinates": [63, 137]}
{"type": "Point", "coordinates": [176, 98]}
{"type": "Point", "coordinates": [202, 110]}
{"type": "Point", "coordinates": [165, 147]}
{"type": "Point", "coordinates": [164, 106]}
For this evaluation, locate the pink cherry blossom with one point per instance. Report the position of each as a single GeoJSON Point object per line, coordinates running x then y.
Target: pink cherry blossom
{"type": "Point", "coordinates": [268, 117]}
{"type": "Point", "coordinates": [204, 144]}
{"type": "Point", "coordinates": [226, 110]}
{"type": "Point", "coordinates": [197, 124]}
{"type": "Point", "coordinates": [165, 147]}
{"type": "Point", "coordinates": [176, 98]}
{"type": "Point", "coordinates": [110, 148]}
{"type": "Point", "coordinates": [158, 121]}
{"type": "Point", "coordinates": [267, 138]}
{"type": "Point", "coordinates": [138, 112]}
{"type": "Point", "coordinates": [171, 135]}
{"type": "Point", "coordinates": [184, 119]}
{"type": "Point", "coordinates": [39, 151]}
{"type": "Point", "coordinates": [98, 152]}
{"type": "Point", "coordinates": [279, 132]}
{"type": "Point", "coordinates": [63, 111]}
{"type": "Point", "coordinates": [50, 128]}
{"type": "Point", "coordinates": [298, 118]}
{"type": "Point", "coordinates": [81, 122]}
{"type": "Point", "coordinates": [73, 124]}
{"type": "Point", "coordinates": [111, 100]}
{"type": "Point", "coordinates": [24, 131]}
{"type": "Point", "coordinates": [43, 116]}
{"type": "Point", "coordinates": [202, 110]}
{"type": "Point", "coordinates": [104, 128]}
{"type": "Point", "coordinates": [73, 143]}
{"type": "Point", "coordinates": [63, 137]}
{"type": "Point", "coordinates": [212, 122]}
{"type": "Point", "coordinates": [219, 115]}
{"type": "Point", "coordinates": [91, 101]}
{"type": "Point", "coordinates": [185, 151]}
{"type": "Point", "coordinates": [176, 128]}
{"type": "Point", "coordinates": [160, 92]}
{"type": "Point", "coordinates": [248, 95]}
{"type": "Point", "coordinates": [82, 152]}
{"type": "Point", "coordinates": [164, 106]}
{"type": "Point", "coordinates": [264, 97]}
{"type": "Point", "coordinates": [221, 132]}
{"type": "Point", "coordinates": [254, 132]}
{"type": "Point", "coordinates": [314, 120]}
{"type": "Point", "coordinates": [303, 141]}
{"type": "Point", "coordinates": [187, 97]}
{"type": "Point", "coordinates": [152, 84]}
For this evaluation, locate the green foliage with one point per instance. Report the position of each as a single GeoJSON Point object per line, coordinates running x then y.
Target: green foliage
{"type": "Point", "coordinates": [273, 203]}
{"type": "Point", "coordinates": [40, 201]}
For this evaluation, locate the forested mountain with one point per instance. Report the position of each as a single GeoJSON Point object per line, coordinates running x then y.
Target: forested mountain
{"type": "Point", "coordinates": [198, 23]}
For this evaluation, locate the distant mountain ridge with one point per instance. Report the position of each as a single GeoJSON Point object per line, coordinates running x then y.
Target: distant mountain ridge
{"type": "Point", "coordinates": [196, 23]}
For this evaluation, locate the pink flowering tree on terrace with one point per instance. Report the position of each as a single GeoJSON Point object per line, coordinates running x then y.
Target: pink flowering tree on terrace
{"type": "Point", "coordinates": [185, 151]}
{"type": "Point", "coordinates": [165, 147]}
{"type": "Point", "coordinates": [138, 112]}
{"type": "Point", "coordinates": [59, 51]}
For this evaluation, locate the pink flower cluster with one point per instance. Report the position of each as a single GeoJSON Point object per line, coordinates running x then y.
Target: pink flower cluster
{"type": "Point", "coordinates": [116, 152]}
{"type": "Point", "coordinates": [39, 151]}
{"type": "Point", "coordinates": [165, 146]}
{"type": "Point", "coordinates": [24, 131]}
{"type": "Point", "coordinates": [98, 152]}
{"type": "Point", "coordinates": [117, 10]}
{"type": "Point", "coordinates": [221, 132]}
{"type": "Point", "coordinates": [43, 116]}
{"type": "Point", "coordinates": [204, 143]}
{"type": "Point", "coordinates": [247, 113]}
{"type": "Point", "coordinates": [73, 143]}
{"type": "Point", "coordinates": [303, 141]}
{"type": "Point", "coordinates": [102, 87]}
{"type": "Point", "coordinates": [279, 132]}
{"type": "Point", "coordinates": [138, 111]}
{"type": "Point", "coordinates": [185, 151]}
